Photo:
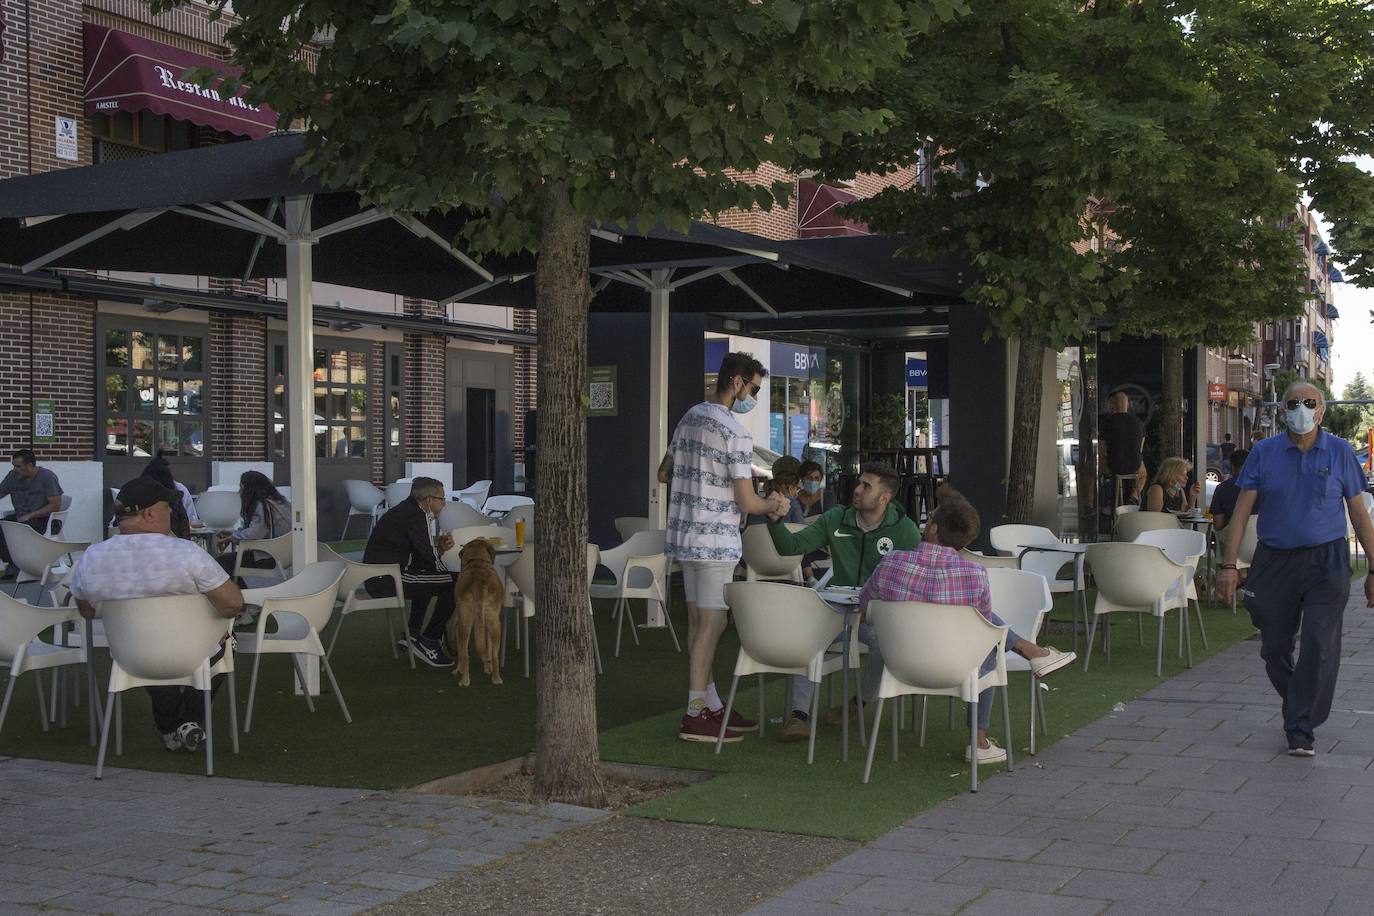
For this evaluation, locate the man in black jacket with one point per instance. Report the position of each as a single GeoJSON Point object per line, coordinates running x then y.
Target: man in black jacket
{"type": "Point", "coordinates": [402, 536]}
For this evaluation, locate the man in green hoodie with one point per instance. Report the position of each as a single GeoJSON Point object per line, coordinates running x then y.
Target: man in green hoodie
{"type": "Point", "coordinates": [858, 536]}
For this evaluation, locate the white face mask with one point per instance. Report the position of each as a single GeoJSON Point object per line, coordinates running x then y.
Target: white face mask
{"type": "Point", "coordinates": [1301, 419]}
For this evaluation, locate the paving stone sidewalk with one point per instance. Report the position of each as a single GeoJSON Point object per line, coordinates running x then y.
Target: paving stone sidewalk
{"type": "Point", "coordinates": [140, 842]}
{"type": "Point", "coordinates": [1185, 801]}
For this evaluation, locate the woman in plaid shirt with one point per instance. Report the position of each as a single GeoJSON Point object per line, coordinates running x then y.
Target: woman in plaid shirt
{"type": "Point", "coordinates": [935, 573]}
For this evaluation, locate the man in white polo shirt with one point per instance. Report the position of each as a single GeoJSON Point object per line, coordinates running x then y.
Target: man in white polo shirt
{"type": "Point", "coordinates": [145, 561]}
{"type": "Point", "coordinates": [712, 482]}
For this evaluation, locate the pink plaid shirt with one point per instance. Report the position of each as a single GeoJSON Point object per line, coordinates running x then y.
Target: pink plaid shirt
{"type": "Point", "coordinates": [930, 573]}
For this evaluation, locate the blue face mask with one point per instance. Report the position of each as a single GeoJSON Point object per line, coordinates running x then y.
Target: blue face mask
{"type": "Point", "coordinates": [744, 404]}
{"type": "Point", "coordinates": [1301, 419]}
{"type": "Point", "coordinates": [813, 486]}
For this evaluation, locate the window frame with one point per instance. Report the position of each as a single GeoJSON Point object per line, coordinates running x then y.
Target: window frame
{"type": "Point", "coordinates": [155, 328]}
{"type": "Point", "coordinates": [276, 341]}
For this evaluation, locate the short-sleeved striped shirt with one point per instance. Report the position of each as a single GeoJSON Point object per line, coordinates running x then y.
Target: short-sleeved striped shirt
{"type": "Point", "coordinates": [710, 450]}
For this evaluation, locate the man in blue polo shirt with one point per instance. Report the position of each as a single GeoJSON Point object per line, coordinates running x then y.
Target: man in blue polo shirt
{"type": "Point", "coordinates": [1306, 481]}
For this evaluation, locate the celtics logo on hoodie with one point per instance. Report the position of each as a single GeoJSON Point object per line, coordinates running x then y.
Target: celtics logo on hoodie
{"type": "Point", "coordinates": [884, 546]}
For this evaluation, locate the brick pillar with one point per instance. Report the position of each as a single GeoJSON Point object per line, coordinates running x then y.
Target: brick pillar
{"type": "Point", "coordinates": [60, 367]}
{"type": "Point", "coordinates": [377, 408]}
{"type": "Point", "coordinates": [239, 396]}
{"type": "Point", "coordinates": [425, 387]}
{"type": "Point", "coordinates": [526, 379]}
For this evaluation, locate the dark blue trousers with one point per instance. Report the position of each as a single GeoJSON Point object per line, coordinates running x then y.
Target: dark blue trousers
{"type": "Point", "coordinates": [1305, 588]}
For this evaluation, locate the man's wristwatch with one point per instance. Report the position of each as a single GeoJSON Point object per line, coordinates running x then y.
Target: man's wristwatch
{"type": "Point", "coordinates": [1230, 566]}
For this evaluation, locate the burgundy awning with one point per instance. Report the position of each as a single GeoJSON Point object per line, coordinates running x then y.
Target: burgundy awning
{"type": "Point", "coordinates": [128, 73]}
{"type": "Point", "coordinates": [816, 216]}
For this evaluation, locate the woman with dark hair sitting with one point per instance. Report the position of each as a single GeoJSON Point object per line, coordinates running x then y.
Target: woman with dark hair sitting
{"type": "Point", "coordinates": [184, 516]}
{"type": "Point", "coordinates": [263, 513]}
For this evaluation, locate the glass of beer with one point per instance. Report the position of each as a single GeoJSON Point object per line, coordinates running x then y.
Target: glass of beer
{"type": "Point", "coordinates": [519, 532]}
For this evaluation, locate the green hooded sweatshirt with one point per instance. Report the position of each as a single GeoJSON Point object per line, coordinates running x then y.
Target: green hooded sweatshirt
{"type": "Point", "coordinates": [854, 552]}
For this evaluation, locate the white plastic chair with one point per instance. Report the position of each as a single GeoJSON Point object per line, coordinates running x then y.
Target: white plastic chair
{"type": "Point", "coordinates": [522, 577]}
{"type": "Point", "coordinates": [474, 495]}
{"type": "Point", "coordinates": [39, 558]}
{"type": "Point", "coordinates": [21, 648]}
{"type": "Point", "coordinates": [936, 650]}
{"type": "Point", "coordinates": [640, 570]}
{"type": "Point", "coordinates": [763, 563]}
{"type": "Point", "coordinates": [629, 525]}
{"type": "Point", "coordinates": [1185, 547]}
{"type": "Point", "coordinates": [278, 548]}
{"type": "Point", "coordinates": [302, 606]}
{"type": "Point", "coordinates": [1136, 579]}
{"type": "Point", "coordinates": [397, 492]}
{"type": "Point", "coordinates": [165, 642]}
{"type": "Point", "coordinates": [990, 562]}
{"type": "Point", "coordinates": [58, 518]}
{"type": "Point", "coordinates": [498, 504]}
{"type": "Point", "coordinates": [783, 629]}
{"type": "Point", "coordinates": [1009, 539]}
{"type": "Point", "coordinates": [364, 499]}
{"type": "Point", "coordinates": [218, 509]}
{"type": "Point", "coordinates": [1368, 500]}
{"type": "Point", "coordinates": [1129, 526]}
{"type": "Point", "coordinates": [1022, 599]}
{"type": "Point", "coordinates": [460, 515]}
{"type": "Point", "coordinates": [1245, 553]}
{"type": "Point", "coordinates": [1128, 507]}
{"type": "Point", "coordinates": [353, 596]}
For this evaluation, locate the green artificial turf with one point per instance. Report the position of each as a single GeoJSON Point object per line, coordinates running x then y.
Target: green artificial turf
{"type": "Point", "coordinates": [766, 785]}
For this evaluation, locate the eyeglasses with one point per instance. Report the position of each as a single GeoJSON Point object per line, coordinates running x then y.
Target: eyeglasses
{"type": "Point", "coordinates": [1309, 403]}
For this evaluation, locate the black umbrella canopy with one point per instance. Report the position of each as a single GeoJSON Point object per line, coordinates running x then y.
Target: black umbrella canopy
{"type": "Point", "coordinates": [174, 214]}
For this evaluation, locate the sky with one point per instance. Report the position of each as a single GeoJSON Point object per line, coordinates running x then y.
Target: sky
{"type": "Point", "coordinates": [1353, 349]}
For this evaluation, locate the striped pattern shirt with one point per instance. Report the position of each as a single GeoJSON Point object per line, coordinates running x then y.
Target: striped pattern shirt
{"type": "Point", "coordinates": [710, 451]}
{"type": "Point", "coordinates": [930, 573]}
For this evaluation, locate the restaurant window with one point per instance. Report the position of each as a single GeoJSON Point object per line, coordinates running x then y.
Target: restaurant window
{"type": "Point", "coordinates": [155, 392]}
{"type": "Point", "coordinates": [127, 134]}
{"type": "Point", "coordinates": [339, 400]}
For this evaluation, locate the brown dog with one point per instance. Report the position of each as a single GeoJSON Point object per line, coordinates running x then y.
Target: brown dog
{"type": "Point", "coordinates": [478, 597]}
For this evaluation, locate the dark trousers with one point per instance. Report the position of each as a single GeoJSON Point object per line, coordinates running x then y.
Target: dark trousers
{"type": "Point", "coordinates": [38, 524]}
{"type": "Point", "coordinates": [174, 706]}
{"type": "Point", "coordinates": [1305, 588]}
{"type": "Point", "coordinates": [419, 594]}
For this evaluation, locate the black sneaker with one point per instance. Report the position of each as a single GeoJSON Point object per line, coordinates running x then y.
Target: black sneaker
{"type": "Point", "coordinates": [1299, 746]}
{"type": "Point", "coordinates": [191, 736]}
{"type": "Point", "coordinates": [11, 572]}
{"type": "Point", "coordinates": [430, 652]}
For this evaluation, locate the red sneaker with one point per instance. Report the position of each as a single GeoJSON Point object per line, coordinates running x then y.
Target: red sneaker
{"type": "Point", "coordinates": [738, 721]}
{"type": "Point", "coordinates": [705, 727]}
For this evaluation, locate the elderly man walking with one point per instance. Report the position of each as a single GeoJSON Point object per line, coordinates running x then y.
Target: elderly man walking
{"type": "Point", "coordinates": [1305, 482]}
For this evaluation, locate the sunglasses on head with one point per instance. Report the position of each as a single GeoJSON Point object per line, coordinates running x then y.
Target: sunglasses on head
{"type": "Point", "coordinates": [1309, 403]}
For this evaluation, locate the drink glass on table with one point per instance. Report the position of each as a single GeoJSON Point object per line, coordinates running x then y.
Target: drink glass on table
{"type": "Point", "coordinates": [519, 532]}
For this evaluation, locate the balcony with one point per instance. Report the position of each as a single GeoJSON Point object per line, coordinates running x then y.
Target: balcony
{"type": "Point", "coordinates": [1242, 376]}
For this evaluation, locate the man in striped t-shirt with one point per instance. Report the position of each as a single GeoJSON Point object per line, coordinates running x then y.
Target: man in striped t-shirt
{"type": "Point", "coordinates": [712, 482]}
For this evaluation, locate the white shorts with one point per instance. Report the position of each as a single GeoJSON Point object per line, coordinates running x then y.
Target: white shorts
{"type": "Point", "coordinates": [704, 582]}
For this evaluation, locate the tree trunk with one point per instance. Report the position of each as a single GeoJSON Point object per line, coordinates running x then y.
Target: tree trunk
{"type": "Point", "coordinates": [1025, 426]}
{"type": "Point", "coordinates": [1169, 419]}
{"type": "Point", "coordinates": [567, 761]}
{"type": "Point", "coordinates": [1085, 469]}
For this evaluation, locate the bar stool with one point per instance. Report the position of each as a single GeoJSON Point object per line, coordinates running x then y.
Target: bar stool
{"type": "Point", "coordinates": [1118, 480]}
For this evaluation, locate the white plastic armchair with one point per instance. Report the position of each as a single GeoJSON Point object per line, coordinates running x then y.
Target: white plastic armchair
{"type": "Point", "coordinates": [22, 650]}
{"type": "Point", "coordinates": [496, 505]}
{"type": "Point", "coordinates": [164, 642]}
{"type": "Point", "coordinates": [460, 515]}
{"type": "Point", "coordinates": [58, 520]}
{"type": "Point", "coordinates": [39, 558]}
{"type": "Point", "coordinates": [1185, 547]}
{"type": "Point", "coordinates": [522, 577]}
{"type": "Point", "coordinates": [218, 509]}
{"type": "Point", "coordinates": [1129, 527]}
{"type": "Point", "coordinates": [397, 492]}
{"type": "Point", "coordinates": [278, 548]}
{"type": "Point", "coordinates": [1010, 539]}
{"type": "Point", "coordinates": [301, 606]}
{"type": "Point", "coordinates": [1022, 599]}
{"type": "Point", "coordinates": [629, 525]}
{"type": "Point", "coordinates": [637, 573]}
{"type": "Point", "coordinates": [1135, 579]}
{"type": "Point", "coordinates": [763, 563]}
{"type": "Point", "coordinates": [989, 562]}
{"type": "Point", "coordinates": [474, 495]}
{"type": "Point", "coordinates": [783, 629]}
{"type": "Point", "coordinates": [353, 597]}
{"type": "Point", "coordinates": [365, 499]}
{"type": "Point", "coordinates": [936, 650]}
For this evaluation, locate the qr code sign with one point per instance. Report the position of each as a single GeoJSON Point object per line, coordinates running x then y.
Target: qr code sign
{"type": "Point", "coordinates": [602, 395]}
{"type": "Point", "coordinates": [42, 426]}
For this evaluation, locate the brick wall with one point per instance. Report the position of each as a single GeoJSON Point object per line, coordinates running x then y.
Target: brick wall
{"type": "Point", "coordinates": [61, 369]}
{"type": "Point", "coordinates": [51, 79]}
{"type": "Point", "coordinates": [376, 412]}
{"type": "Point", "coordinates": [238, 380]}
{"type": "Point", "coordinates": [425, 388]}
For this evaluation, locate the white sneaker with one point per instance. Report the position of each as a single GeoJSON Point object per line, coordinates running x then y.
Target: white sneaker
{"type": "Point", "coordinates": [1047, 664]}
{"type": "Point", "coordinates": [990, 754]}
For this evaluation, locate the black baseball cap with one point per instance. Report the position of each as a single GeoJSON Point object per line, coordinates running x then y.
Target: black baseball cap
{"type": "Point", "coordinates": [143, 493]}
